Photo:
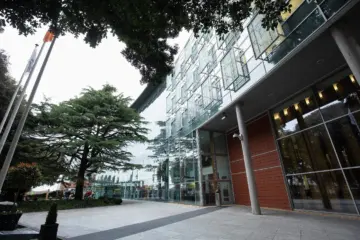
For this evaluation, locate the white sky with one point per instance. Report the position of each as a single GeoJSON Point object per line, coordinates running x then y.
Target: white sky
{"type": "Point", "coordinates": [74, 65]}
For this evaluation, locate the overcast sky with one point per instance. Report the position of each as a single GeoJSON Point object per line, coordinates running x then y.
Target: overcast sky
{"type": "Point", "coordinates": [74, 65]}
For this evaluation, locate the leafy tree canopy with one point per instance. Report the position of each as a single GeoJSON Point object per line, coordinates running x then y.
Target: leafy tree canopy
{"type": "Point", "coordinates": [91, 131]}
{"type": "Point", "coordinates": [143, 25]}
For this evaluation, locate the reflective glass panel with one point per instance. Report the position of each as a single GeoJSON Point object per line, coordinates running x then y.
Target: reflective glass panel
{"type": "Point", "coordinates": [188, 192]}
{"type": "Point", "coordinates": [330, 7]}
{"type": "Point", "coordinates": [297, 114]}
{"type": "Point", "coordinates": [308, 151]}
{"type": "Point", "coordinates": [220, 143]}
{"type": "Point", "coordinates": [174, 170]}
{"type": "Point", "coordinates": [174, 193]}
{"type": "Point", "coordinates": [223, 167]}
{"type": "Point", "coordinates": [207, 167]}
{"type": "Point", "coordinates": [209, 192]}
{"type": "Point", "coordinates": [326, 191]}
{"type": "Point", "coordinates": [345, 134]}
{"type": "Point", "coordinates": [337, 98]}
{"type": "Point", "coordinates": [353, 178]}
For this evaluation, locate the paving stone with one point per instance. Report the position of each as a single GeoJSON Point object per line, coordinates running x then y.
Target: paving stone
{"type": "Point", "coordinates": [164, 221]}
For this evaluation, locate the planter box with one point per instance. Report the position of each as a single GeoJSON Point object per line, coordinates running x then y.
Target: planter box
{"type": "Point", "coordinates": [9, 221]}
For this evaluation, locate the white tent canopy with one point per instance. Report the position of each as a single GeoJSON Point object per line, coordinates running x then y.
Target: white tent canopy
{"type": "Point", "coordinates": [45, 188]}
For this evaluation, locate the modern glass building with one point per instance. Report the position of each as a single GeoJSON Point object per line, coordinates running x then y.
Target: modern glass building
{"type": "Point", "coordinates": [267, 118]}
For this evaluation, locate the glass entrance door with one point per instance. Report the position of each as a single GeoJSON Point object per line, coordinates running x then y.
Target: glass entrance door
{"type": "Point", "coordinates": [225, 192]}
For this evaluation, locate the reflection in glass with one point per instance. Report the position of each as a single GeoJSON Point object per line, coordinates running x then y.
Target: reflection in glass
{"type": "Point", "coordinates": [207, 167]}
{"type": "Point", "coordinates": [330, 7]}
{"type": "Point", "coordinates": [174, 170]}
{"type": "Point", "coordinates": [353, 178]}
{"type": "Point", "coordinates": [345, 134]}
{"type": "Point", "coordinates": [325, 191]}
{"type": "Point", "coordinates": [220, 143]}
{"type": "Point", "coordinates": [299, 15]}
{"type": "Point", "coordinates": [338, 98]}
{"type": "Point", "coordinates": [308, 151]}
{"type": "Point", "coordinates": [297, 114]}
{"type": "Point", "coordinates": [204, 141]}
{"type": "Point", "coordinates": [188, 192]}
{"type": "Point", "coordinates": [306, 27]}
{"type": "Point", "coordinates": [223, 167]}
{"type": "Point", "coordinates": [209, 189]}
{"type": "Point", "coordinates": [189, 169]}
{"type": "Point", "coordinates": [174, 193]}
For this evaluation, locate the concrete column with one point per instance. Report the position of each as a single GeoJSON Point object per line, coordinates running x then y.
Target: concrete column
{"type": "Point", "coordinates": [201, 194]}
{"type": "Point", "coordinates": [255, 207]}
{"type": "Point", "coordinates": [348, 46]}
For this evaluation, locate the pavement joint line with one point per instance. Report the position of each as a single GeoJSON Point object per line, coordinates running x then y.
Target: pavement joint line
{"type": "Point", "coordinates": [306, 212]}
{"type": "Point", "coordinates": [128, 230]}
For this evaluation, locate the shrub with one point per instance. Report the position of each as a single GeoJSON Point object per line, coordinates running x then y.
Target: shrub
{"type": "Point", "coordinates": [20, 179]}
{"type": "Point", "coordinates": [52, 215]}
{"type": "Point", "coordinates": [106, 200]}
{"type": "Point", "coordinates": [40, 206]}
{"type": "Point", "coordinates": [118, 201]}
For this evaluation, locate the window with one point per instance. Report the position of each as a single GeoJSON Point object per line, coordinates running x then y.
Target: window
{"type": "Point", "coordinates": [260, 37]}
{"type": "Point", "coordinates": [183, 93]}
{"type": "Point", "coordinates": [319, 139]}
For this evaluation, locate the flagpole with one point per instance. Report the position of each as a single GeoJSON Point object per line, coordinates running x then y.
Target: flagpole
{"type": "Point", "coordinates": [15, 93]}
{"type": "Point", "coordinates": [18, 103]}
{"type": "Point", "coordinates": [20, 127]}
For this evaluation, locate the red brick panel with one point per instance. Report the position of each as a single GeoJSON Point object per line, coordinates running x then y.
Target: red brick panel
{"type": "Point", "coordinates": [241, 191]}
{"type": "Point", "coordinates": [265, 160]}
{"type": "Point", "coordinates": [234, 145]}
{"type": "Point", "coordinates": [260, 136]}
{"type": "Point", "coordinates": [271, 188]}
{"type": "Point", "coordinates": [237, 166]}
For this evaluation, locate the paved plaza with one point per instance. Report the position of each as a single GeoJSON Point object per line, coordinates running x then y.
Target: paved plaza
{"type": "Point", "coordinates": [136, 220]}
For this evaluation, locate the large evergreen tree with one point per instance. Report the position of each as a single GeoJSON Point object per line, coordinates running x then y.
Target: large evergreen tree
{"type": "Point", "coordinates": [143, 25]}
{"type": "Point", "coordinates": [92, 131]}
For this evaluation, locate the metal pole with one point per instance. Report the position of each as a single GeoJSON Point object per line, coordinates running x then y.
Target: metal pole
{"type": "Point", "coordinates": [255, 208]}
{"type": "Point", "coordinates": [18, 103]}
{"type": "Point", "coordinates": [16, 92]}
{"type": "Point", "coordinates": [20, 127]}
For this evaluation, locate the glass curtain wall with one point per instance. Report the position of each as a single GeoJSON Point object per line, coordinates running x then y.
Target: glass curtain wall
{"type": "Point", "coordinates": [183, 170]}
{"type": "Point", "coordinates": [215, 167]}
{"type": "Point", "coordinates": [318, 134]}
{"type": "Point", "coordinates": [211, 71]}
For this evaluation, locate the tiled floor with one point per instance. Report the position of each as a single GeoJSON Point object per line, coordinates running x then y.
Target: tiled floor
{"type": "Point", "coordinates": [152, 220]}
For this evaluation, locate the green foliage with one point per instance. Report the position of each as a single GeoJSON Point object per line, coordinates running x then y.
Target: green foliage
{"type": "Point", "coordinates": [117, 201]}
{"type": "Point", "coordinates": [52, 215]}
{"type": "Point", "coordinates": [143, 25]}
{"type": "Point", "coordinates": [91, 132]}
{"type": "Point", "coordinates": [23, 176]}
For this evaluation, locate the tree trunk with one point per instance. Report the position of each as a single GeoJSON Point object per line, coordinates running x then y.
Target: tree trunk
{"type": "Point", "coordinates": [80, 181]}
{"type": "Point", "coordinates": [81, 174]}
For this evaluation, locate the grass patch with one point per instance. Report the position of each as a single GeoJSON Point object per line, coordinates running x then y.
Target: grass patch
{"type": "Point", "coordinates": [40, 206]}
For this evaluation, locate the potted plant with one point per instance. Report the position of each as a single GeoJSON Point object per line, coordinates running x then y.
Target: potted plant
{"type": "Point", "coordinates": [9, 216]}
{"type": "Point", "coordinates": [48, 231]}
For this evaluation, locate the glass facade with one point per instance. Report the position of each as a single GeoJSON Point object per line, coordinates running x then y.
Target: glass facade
{"type": "Point", "coordinates": [318, 134]}
{"type": "Point", "coordinates": [179, 165]}
{"type": "Point", "coordinates": [212, 71]}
